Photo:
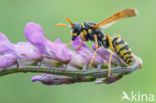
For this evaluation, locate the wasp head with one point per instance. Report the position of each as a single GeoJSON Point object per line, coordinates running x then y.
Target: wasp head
{"type": "Point", "coordinates": [76, 30]}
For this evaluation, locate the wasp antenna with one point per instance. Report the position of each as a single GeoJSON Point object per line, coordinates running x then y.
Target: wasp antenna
{"type": "Point", "coordinates": [58, 25]}
{"type": "Point", "coordinates": [70, 22]}
{"type": "Point", "coordinates": [64, 25]}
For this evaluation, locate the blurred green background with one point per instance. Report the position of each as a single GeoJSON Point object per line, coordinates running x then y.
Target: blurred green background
{"type": "Point", "coordinates": [139, 32]}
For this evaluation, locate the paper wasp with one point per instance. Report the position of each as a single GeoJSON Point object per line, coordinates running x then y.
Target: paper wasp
{"type": "Point", "coordinates": [92, 31]}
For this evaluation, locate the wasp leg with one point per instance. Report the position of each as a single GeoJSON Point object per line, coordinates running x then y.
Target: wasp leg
{"type": "Point", "coordinates": [110, 42]}
{"type": "Point", "coordinates": [83, 36]}
{"type": "Point", "coordinates": [136, 59]}
{"type": "Point", "coordinates": [96, 41]}
{"type": "Point", "coordinates": [112, 49]}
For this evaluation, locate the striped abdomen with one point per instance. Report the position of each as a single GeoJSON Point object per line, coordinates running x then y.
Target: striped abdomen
{"type": "Point", "coordinates": [122, 50]}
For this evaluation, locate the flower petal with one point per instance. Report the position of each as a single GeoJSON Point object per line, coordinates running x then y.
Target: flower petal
{"type": "Point", "coordinates": [57, 51]}
{"type": "Point", "coordinates": [26, 51]}
{"type": "Point", "coordinates": [5, 45]}
{"type": "Point", "coordinates": [50, 79]}
{"type": "Point", "coordinates": [7, 60]}
{"type": "Point", "coordinates": [35, 35]}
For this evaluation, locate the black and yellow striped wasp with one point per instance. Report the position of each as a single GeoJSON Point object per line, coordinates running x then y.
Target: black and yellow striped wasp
{"type": "Point", "coordinates": [92, 31]}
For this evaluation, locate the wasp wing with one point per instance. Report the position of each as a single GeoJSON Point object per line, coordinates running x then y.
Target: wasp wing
{"type": "Point", "coordinates": [115, 17]}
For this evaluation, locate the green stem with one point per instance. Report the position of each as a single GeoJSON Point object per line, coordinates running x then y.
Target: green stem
{"type": "Point", "coordinates": [67, 72]}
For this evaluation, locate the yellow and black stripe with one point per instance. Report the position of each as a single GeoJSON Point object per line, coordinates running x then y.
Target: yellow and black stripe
{"type": "Point", "coordinates": [122, 50]}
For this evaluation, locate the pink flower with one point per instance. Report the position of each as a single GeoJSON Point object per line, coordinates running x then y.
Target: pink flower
{"type": "Point", "coordinates": [50, 79]}
{"type": "Point", "coordinates": [57, 51]}
{"type": "Point", "coordinates": [7, 60]}
{"type": "Point", "coordinates": [5, 45]}
{"type": "Point", "coordinates": [27, 53]}
{"type": "Point", "coordinates": [23, 51]}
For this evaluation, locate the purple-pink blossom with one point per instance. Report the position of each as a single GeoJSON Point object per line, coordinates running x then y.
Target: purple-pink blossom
{"type": "Point", "coordinates": [7, 60]}
{"type": "Point", "coordinates": [38, 49]}
{"type": "Point", "coordinates": [50, 79]}
{"type": "Point", "coordinates": [5, 45]}
{"type": "Point", "coordinates": [27, 53]}
{"type": "Point", "coordinates": [57, 50]}
{"type": "Point", "coordinates": [23, 53]}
